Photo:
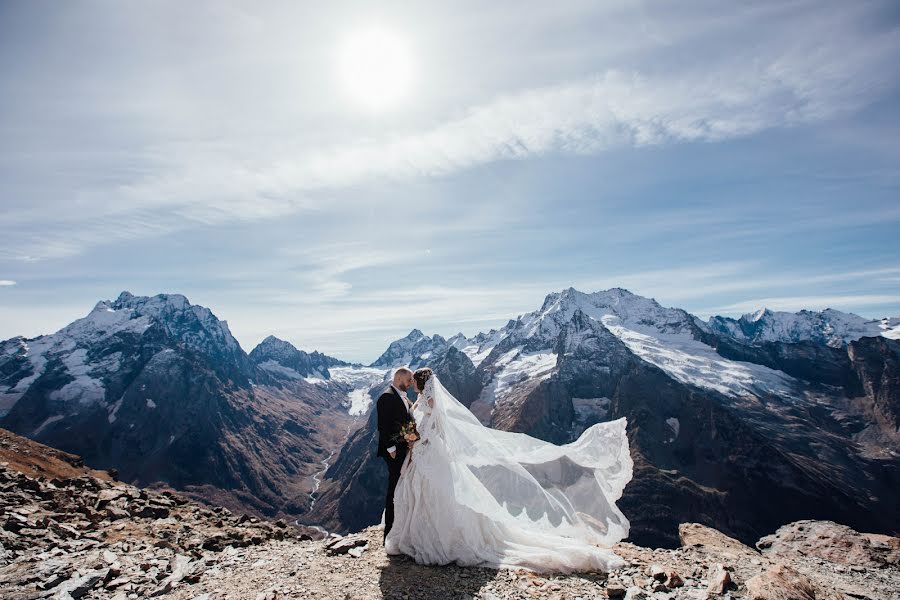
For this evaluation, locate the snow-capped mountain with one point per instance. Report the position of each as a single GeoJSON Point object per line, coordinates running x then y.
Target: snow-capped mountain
{"type": "Point", "coordinates": [831, 327]}
{"type": "Point", "coordinates": [281, 359]}
{"type": "Point", "coordinates": [412, 350]}
{"type": "Point", "coordinates": [725, 428]}
{"type": "Point", "coordinates": [90, 353]}
{"type": "Point", "coordinates": [743, 424]}
{"type": "Point", "coordinates": [159, 389]}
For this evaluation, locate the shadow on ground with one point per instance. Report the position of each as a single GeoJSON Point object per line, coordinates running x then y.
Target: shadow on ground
{"type": "Point", "coordinates": [403, 578]}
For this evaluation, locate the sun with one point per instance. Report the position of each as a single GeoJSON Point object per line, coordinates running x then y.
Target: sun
{"type": "Point", "coordinates": [375, 68]}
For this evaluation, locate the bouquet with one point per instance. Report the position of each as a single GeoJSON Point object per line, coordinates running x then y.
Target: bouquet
{"type": "Point", "coordinates": [408, 433]}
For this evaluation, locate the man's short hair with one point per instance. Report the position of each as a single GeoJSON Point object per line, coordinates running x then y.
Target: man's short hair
{"type": "Point", "coordinates": [402, 371]}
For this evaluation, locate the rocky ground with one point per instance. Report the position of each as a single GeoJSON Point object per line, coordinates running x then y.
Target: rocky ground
{"type": "Point", "coordinates": [68, 532]}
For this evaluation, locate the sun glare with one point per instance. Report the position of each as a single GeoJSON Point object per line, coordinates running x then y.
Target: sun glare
{"type": "Point", "coordinates": [375, 68]}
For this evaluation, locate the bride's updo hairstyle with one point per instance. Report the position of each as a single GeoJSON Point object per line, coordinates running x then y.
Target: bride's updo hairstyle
{"type": "Point", "coordinates": [422, 376]}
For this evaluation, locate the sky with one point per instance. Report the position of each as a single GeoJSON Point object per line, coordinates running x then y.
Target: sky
{"type": "Point", "coordinates": [272, 162]}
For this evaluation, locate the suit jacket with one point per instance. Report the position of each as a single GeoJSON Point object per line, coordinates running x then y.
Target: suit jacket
{"type": "Point", "coordinates": [392, 415]}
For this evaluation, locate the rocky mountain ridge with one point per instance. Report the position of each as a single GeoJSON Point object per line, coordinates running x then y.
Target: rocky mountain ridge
{"type": "Point", "coordinates": [69, 532]}
{"type": "Point", "coordinates": [719, 422]}
{"type": "Point", "coordinates": [281, 359]}
{"type": "Point", "coordinates": [742, 436]}
{"type": "Point", "coordinates": [159, 389]}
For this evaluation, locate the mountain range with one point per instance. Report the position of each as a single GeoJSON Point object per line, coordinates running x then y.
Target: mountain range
{"type": "Point", "coordinates": [743, 424]}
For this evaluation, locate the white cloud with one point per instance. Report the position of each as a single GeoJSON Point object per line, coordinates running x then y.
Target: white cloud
{"type": "Point", "coordinates": [740, 90]}
{"type": "Point", "coordinates": [6, 282]}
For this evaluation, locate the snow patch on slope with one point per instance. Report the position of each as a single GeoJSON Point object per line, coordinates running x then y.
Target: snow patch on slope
{"type": "Point", "coordinates": [360, 380]}
{"type": "Point", "coordinates": [273, 366]}
{"type": "Point", "coordinates": [693, 362]}
{"type": "Point", "coordinates": [675, 425]}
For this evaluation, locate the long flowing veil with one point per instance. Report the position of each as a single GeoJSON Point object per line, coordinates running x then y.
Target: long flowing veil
{"type": "Point", "coordinates": [532, 485]}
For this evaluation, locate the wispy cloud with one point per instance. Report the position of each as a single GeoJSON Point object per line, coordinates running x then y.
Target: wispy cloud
{"type": "Point", "coordinates": [6, 282]}
{"type": "Point", "coordinates": [192, 183]}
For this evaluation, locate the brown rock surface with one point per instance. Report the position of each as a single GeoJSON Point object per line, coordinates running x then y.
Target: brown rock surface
{"type": "Point", "coordinates": [58, 538]}
{"type": "Point", "coordinates": [832, 542]}
{"type": "Point", "coordinates": [781, 582]}
{"type": "Point", "coordinates": [714, 542]}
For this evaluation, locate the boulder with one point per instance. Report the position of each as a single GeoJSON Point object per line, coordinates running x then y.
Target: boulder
{"type": "Point", "coordinates": [713, 542]}
{"type": "Point", "coordinates": [719, 580]}
{"type": "Point", "coordinates": [344, 545]}
{"type": "Point", "coordinates": [830, 541]}
{"type": "Point", "coordinates": [782, 582]}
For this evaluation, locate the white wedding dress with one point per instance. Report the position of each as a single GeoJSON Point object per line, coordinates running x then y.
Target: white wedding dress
{"type": "Point", "coordinates": [472, 495]}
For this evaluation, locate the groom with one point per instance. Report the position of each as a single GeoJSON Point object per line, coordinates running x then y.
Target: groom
{"type": "Point", "coordinates": [393, 412]}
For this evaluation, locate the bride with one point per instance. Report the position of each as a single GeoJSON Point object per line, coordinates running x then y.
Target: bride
{"type": "Point", "coordinates": [474, 495]}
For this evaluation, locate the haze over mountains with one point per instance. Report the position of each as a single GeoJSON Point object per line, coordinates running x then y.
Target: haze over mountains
{"type": "Point", "coordinates": [744, 424]}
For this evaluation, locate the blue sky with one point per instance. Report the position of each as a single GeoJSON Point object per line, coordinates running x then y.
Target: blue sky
{"type": "Point", "coordinates": [718, 157]}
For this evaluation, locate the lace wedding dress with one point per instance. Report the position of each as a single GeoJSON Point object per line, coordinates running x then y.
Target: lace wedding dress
{"type": "Point", "coordinates": [474, 495]}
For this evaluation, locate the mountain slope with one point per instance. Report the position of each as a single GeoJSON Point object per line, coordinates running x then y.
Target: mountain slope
{"type": "Point", "coordinates": [69, 532]}
{"type": "Point", "coordinates": [160, 390]}
{"type": "Point", "coordinates": [738, 433]}
{"type": "Point", "coordinates": [282, 360]}
{"type": "Point", "coordinates": [830, 327]}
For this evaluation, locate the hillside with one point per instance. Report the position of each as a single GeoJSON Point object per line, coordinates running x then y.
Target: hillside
{"type": "Point", "coordinates": [740, 425]}
{"type": "Point", "coordinates": [74, 533]}
{"type": "Point", "coordinates": [743, 425]}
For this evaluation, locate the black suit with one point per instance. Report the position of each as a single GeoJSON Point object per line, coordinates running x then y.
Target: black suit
{"type": "Point", "coordinates": [392, 415]}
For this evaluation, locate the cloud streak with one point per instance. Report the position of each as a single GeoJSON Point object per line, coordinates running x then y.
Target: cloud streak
{"type": "Point", "coordinates": [190, 184]}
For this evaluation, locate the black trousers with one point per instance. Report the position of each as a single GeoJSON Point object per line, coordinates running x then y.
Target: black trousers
{"type": "Point", "coordinates": [393, 465]}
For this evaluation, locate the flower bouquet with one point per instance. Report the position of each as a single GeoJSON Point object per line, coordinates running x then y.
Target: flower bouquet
{"type": "Point", "coordinates": [408, 433]}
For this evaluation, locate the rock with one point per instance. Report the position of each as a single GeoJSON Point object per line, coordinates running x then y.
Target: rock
{"type": "Point", "coordinates": [719, 580]}
{"type": "Point", "coordinates": [76, 587]}
{"type": "Point", "coordinates": [673, 579]}
{"type": "Point", "coordinates": [713, 542]}
{"type": "Point", "coordinates": [615, 590]}
{"type": "Point", "coordinates": [831, 541]}
{"type": "Point", "coordinates": [781, 582]}
{"type": "Point", "coordinates": [116, 583]}
{"type": "Point", "coordinates": [114, 513]}
{"type": "Point", "coordinates": [343, 545]}
{"type": "Point", "coordinates": [635, 593]}
{"type": "Point", "coordinates": [107, 496]}
{"type": "Point", "coordinates": [657, 573]}
{"type": "Point", "coordinates": [109, 557]}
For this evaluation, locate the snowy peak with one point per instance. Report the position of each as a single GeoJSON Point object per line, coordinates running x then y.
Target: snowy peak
{"type": "Point", "coordinates": [612, 306]}
{"type": "Point", "coordinates": [196, 325]}
{"type": "Point", "coordinates": [93, 350]}
{"type": "Point", "coordinates": [831, 327]}
{"type": "Point", "coordinates": [414, 349]}
{"type": "Point", "coordinates": [281, 358]}
{"type": "Point", "coordinates": [458, 341]}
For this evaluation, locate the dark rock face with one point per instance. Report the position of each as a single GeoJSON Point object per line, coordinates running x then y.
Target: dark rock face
{"type": "Point", "coordinates": [352, 494]}
{"type": "Point", "coordinates": [876, 363]}
{"type": "Point", "coordinates": [457, 374]}
{"type": "Point", "coordinates": [805, 360]}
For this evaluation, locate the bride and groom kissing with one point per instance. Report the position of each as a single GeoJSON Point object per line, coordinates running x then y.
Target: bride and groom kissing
{"type": "Point", "coordinates": [460, 492]}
